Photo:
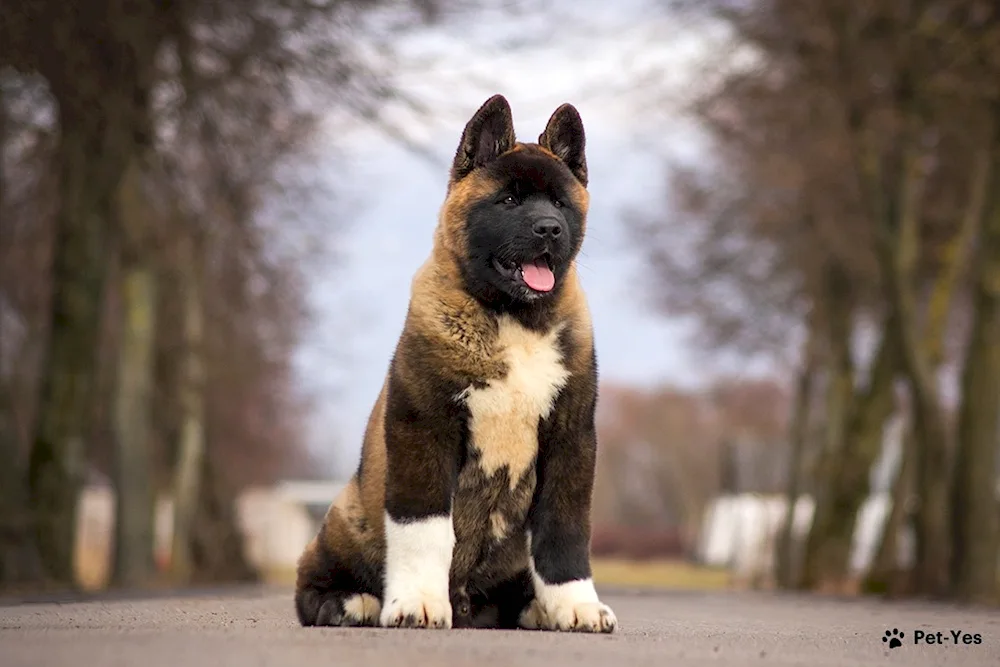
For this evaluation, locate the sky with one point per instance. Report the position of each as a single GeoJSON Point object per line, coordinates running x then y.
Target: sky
{"type": "Point", "coordinates": [627, 71]}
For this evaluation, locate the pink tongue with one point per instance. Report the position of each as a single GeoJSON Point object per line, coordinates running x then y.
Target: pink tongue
{"type": "Point", "coordinates": [538, 275]}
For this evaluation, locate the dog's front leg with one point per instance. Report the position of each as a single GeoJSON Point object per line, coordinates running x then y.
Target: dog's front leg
{"type": "Point", "coordinates": [422, 448]}
{"type": "Point", "coordinates": [559, 524]}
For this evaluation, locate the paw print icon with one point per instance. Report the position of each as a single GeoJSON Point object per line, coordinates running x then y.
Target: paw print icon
{"type": "Point", "coordinates": [893, 638]}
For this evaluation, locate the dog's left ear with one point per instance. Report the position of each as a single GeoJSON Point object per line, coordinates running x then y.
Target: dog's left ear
{"type": "Point", "coordinates": [564, 137]}
{"type": "Point", "coordinates": [488, 135]}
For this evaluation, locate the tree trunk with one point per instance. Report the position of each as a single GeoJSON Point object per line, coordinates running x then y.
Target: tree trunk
{"type": "Point", "coordinates": [885, 576]}
{"type": "Point", "coordinates": [892, 183]}
{"type": "Point", "coordinates": [955, 260]}
{"type": "Point", "coordinates": [101, 89]}
{"type": "Point", "coordinates": [932, 455]}
{"type": "Point", "coordinates": [870, 408]}
{"type": "Point", "coordinates": [729, 478]}
{"type": "Point", "coordinates": [787, 574]}
{"type": "Point", "coordinates": [840, 387]}
{"type": "Point", "coordinates": [975, 521]}
{"type": "Point", "coordinates": [191, 448]}
{"type": "Point", "coordinates": [218, 550]}
{"type": "Point", "coordinates": [19, 564]}
{"type": "Point", "coordinates": [18, 558]}
{"type": "Point", "coordinates": [90, 167]}
{"type": "Point", "coordinates": [134, 493]}
{"type": "Point", "coordinates": [898, 250]}
{"type": "Point", "coordinates": [133, 475]}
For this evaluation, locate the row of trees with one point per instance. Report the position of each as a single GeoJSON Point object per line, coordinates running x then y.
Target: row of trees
{"type": "Point", "coordinates": [153, 262]}
{"type": "Point", "coordinates": [850, 209]}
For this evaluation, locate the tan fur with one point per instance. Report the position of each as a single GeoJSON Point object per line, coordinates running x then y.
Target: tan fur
{"type": "Point", "coordinates": [573, 310]}
{"type": "Point", "coordinates": [373, 485]}
{"type": "Point", "coordinates": [363, 608]}
{"type": "Point", "coordinates": [498, 526]}
{"type": "Point", "coordinates": [450, 234]}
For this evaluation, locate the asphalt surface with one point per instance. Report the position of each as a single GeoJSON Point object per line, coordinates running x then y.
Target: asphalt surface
{"type": "Point", "coordinates": [682, 629]}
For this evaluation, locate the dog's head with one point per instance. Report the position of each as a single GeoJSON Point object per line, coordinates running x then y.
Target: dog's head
{"type": "Point", "coordinates": [515, 213]}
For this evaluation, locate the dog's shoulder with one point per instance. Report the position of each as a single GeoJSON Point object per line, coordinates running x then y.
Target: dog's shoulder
{"type": "Point", "coordinates": [446, 331]}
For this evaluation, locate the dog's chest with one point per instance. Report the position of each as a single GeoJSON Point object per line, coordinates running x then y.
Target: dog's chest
{"type": "Point", "coordinates": [504, 412]}
{"type": "Point", "coordinates": [497, 481]}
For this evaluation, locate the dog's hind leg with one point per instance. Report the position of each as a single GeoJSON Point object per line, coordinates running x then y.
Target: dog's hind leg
{"type": "Point", "coordinates": [335, 585]}
{"type": "Point", "coordinates": [337, 608]}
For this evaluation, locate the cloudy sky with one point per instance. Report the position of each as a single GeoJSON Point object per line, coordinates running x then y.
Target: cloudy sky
{"type": "Point", "coordinates": [626, 70]}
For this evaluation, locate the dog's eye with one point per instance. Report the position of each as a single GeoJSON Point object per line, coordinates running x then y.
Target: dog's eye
{"type": "Point", "coordinates": [558, 203]}
{"type": "Point", "coordinates": [509, 200]}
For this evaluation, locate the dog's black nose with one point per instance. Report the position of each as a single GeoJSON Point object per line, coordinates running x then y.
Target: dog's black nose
{"type": "Point", "coordinates": [548, 228]}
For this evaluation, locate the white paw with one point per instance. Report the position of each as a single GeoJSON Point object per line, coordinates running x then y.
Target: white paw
{"type": "Point", "coordinates": [362, 609]}
{"type": "Point", "coordinates": [417, 611]}
{"type": "Point", "coordinates": [569, 606]}
{"type": "Point", "coordinates": [580, 617]}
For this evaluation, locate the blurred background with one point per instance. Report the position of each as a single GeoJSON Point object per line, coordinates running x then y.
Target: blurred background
{"type": "Point", "coordinates": [211, 212]}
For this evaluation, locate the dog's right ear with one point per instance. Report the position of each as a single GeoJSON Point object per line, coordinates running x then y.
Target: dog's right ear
{"type": "Point", "coordinates": [488, 135]}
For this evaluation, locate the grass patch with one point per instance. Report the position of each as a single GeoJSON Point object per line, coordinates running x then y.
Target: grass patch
{"type": "Point", "coordinates": [661, 574]}
{"type": "Point", "coordinates": [279, 576]}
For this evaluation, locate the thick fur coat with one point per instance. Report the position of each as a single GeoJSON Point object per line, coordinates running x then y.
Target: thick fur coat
{"type": "Point", "coordinates": [471, 503]}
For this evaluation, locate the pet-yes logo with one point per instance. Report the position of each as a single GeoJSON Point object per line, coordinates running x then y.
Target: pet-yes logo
{"type": "Point", "coordinates": [895, 638]}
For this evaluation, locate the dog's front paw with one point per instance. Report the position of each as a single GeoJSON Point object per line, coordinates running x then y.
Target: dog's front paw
{"type": "Point", "coordinates": [569, 617]}
{"type": "Point", "coordinates": [416, 610]}
{"type": "Point", "coordinates": [569, 607]}
{"type": "Point", "coordinates": [583, 617]}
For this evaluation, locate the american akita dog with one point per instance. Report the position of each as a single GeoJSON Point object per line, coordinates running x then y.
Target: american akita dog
{"type": "Point", "coordinates": [471, 504]}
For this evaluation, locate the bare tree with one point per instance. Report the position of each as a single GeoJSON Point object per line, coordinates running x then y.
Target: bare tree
{"type": "Point", "coordinates": [974, 519]}
{"type": "Point", "coordinates": [881, 107]}
{"type": "Point", "coordinates": [132, 420]}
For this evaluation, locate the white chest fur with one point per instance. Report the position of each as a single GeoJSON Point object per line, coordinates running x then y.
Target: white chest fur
{"type": "Point", "coordinates": [504, 415]}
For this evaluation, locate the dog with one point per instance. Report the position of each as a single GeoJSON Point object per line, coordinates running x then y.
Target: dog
{"type": "Point", "coordinates": [471, 503]}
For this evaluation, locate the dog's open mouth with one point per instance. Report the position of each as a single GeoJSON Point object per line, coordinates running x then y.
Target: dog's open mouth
{"type": "Point", "coordinates": [536, 274]}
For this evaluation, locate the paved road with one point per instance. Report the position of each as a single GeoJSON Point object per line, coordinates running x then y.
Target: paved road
{"type": "Point", "coordinates": [664, 629]}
